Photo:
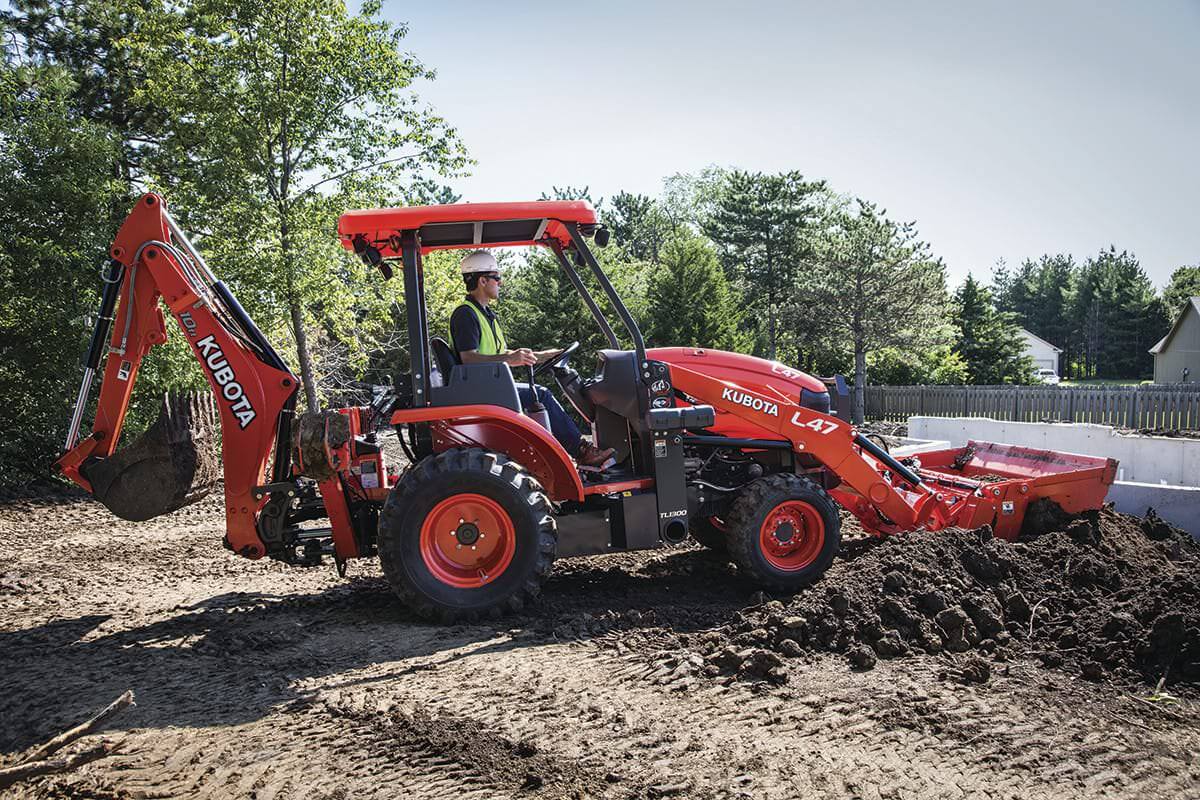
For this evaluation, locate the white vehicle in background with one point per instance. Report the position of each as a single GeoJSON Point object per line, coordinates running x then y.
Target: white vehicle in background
{"type": "Point", "coordinates": [1046, 376]}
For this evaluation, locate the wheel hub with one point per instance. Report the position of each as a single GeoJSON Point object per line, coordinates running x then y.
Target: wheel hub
{"type": "Point", "coordinates": [467, 533]}
{"type": "Point", "coordinates": [792, 535]}
{"type": "Point", "coordinates": [467, 540]}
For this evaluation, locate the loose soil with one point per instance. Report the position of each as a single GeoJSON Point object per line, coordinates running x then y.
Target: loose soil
{"type": "Point", "coordinates": [929, 665]}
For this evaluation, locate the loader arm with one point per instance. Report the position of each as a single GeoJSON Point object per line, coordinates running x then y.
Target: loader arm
{"type": "Point", "coordinates": [255, 392]}
{"type": "Point", "coordinates": [887, 497]}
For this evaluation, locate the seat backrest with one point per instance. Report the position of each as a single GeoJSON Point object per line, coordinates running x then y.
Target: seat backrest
{"type": "Point", "coordinates": [444, 356]}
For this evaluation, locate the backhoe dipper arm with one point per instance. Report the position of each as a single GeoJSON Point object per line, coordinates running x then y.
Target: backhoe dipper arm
{"type": "Point", "coordinates": [153, 259]}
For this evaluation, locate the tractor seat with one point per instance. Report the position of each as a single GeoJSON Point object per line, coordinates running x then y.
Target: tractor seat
{"type": "Point", "coordinates": [445, 357]}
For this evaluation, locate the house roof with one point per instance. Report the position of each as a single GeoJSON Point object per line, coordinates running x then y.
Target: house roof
{"type": "Point", "coordinates": [1037, 338]}
{"type": "Point", "coordinates": [1190, 305]}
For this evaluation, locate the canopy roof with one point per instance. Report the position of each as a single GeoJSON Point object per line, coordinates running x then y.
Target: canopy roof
{"type": "Point", "coordinates": [467, 225]}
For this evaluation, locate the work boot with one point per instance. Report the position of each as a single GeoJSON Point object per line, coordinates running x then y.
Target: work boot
{"type": "Point", "coordinates": [592, 456]}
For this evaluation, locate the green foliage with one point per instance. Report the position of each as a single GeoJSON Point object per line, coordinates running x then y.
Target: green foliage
{"type": "Point", "coordinates": [690, 303]}
{"type": "Point", "coordinates": [1039, 296]}
{"type": "Point", "coordinates": [940, 365]}
{"type": "Point", "coordinates": [873, 284]}
{"type": "Point", "coordinates": [93, 43]}
{"type": "Point", "coordinates": [759, 223]}
{"type": "Point", "coordinates": [639, 225]}
{"type": "Point", "coordinates": [285, 113]}
{"type": "Point", "coordinates": [1118, 317]}
{"type": "Point", "coordinates": [1183, 286]}
{"type": "Point", "coordinates": [60, 201]}
{"type": "Point", "coordinates": [988, 340]}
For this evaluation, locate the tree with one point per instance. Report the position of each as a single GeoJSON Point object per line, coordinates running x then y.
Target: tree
{"type": "Point", "coordinates": [873, 283]}
{"type": "Point", "coordinates": [988, 340]}
{"type": "Point", "coordinates": [58, 191]}
{"type": "Point", "coordinates": [939, 365]}
{"type": "Point", "coordinates": [638, 225]}
{"type": "Point", "coordinates": [283, 113]}
{"type": "Point", "coordinates": [1184, 285]}
{"type": "Point", "coordinates": [1038, 295]}
{"type": "Point", "coordinates": [759, 223]}
{"type": "Point", "coordinates": [690, 304]}
{"type": "Point", "coordinates": [93, 42]}
{"type": "Point", "coordinates": [1118, 317]}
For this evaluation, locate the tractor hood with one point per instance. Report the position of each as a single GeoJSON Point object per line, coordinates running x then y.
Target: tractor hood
{"type": "Point", "coordinates": [746, 371]}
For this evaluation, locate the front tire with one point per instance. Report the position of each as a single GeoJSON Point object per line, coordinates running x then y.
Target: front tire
{"type": "Point", "coordinates": [467, 533]}
{"type": "Point", "coordinates": [784, 531]}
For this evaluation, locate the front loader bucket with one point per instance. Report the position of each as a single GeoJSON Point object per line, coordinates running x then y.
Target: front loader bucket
{"type": "Point", "coordinates": [175, 463]}
{"type": "Point", "coordinates": [1003, 481]}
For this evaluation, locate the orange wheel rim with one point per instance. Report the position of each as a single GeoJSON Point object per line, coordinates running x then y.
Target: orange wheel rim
{"type": "Point", "coordinates": [792, 535]}
{"type": "Point", "coordinates": [468, 540]}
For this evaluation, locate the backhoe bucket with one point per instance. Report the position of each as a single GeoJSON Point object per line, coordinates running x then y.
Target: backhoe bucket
{"type": "Point", "coordinates": [175, 463]}
{"type": "Point", "coordinates": [1003, 482]}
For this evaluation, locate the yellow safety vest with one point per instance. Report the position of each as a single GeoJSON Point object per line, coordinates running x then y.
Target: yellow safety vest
{"type": "Point", "coordinates": [491, 341]}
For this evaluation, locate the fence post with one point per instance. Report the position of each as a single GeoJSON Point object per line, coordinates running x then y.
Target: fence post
{"type": "Point", "coordinates": [1132, 410]}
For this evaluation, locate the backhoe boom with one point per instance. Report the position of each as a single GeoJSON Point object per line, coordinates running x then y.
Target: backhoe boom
{"type": "Point", "coordinates": [153, 260]}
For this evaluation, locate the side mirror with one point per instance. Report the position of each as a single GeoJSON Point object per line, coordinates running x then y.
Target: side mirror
{"type": "Point", "coordinates": [602, 236]}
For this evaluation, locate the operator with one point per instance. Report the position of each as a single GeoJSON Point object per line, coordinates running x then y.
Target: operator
{"type": "Point", "coordinates": [476, 337]}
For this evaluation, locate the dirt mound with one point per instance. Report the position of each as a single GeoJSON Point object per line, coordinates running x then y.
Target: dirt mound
{"type": "Point", "coordinates": [1106, 595]}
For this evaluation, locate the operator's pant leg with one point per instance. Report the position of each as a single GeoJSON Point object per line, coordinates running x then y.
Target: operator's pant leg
{"type": "Point", "coordinates": [561, 424]}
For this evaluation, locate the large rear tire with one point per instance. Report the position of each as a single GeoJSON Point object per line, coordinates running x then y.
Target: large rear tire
{"type": "Point", "coordinates": [467, 533]}
{"type": "Point", "coordinates": [784, 531]}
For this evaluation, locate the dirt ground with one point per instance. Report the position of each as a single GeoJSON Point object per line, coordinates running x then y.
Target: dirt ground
{"type": "Point", "coordinates": [258, 680]}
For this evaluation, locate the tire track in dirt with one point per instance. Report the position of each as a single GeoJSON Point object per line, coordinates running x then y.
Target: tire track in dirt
{"type": "Point", "coordinates": [257, 679]}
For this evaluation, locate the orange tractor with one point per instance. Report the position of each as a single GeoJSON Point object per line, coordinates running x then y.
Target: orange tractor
{"type": "Point", "coordinates": [741, 453]}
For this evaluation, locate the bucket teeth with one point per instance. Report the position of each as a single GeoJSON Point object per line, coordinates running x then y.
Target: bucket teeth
{"type": "Point", "coordinates": [175, 463]}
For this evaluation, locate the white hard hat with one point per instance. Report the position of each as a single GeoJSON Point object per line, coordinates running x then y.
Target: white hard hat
{"type": "Point", "coordinates": [479, 261]}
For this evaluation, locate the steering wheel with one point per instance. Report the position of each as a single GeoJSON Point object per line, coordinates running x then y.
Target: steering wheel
{"type": "Point", "coordinates": [556, 360]}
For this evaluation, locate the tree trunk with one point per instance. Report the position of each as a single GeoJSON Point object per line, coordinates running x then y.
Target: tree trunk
{"type": "Point", "coordinates": [306, 370]}
{"type": "Point", "coordinates": [860, 383]}
{"type": "Point", "coordinates": [297, 312]}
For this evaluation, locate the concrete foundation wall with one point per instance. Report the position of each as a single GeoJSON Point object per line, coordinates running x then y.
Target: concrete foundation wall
{"type": "Point", "coordinates": [1143, 459]}
{"type": "Point", "coordinates": [1178, 505]}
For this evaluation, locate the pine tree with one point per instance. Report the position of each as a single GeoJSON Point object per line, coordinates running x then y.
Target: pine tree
{"type": "Point", "coordinates": [988, 340]}
{"type": "Point", "coordinates": [760, 223]}
{"type": "Point", "coordinates": [690, 304]}
{"type": "Point", "coordinates": [1117, 315]}
{"type": "Point", "coordinates": [1183, 286]}
{"type": "Point", "coordinates": [872, 283]}
{"type": "Point", "coordinates": [1038, 295]}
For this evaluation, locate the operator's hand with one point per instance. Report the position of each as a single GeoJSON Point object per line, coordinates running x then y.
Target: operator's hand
{"type": "Point", "coordinates": [522, 357]}
{"type": "Point", "coordinates": [543, 355]}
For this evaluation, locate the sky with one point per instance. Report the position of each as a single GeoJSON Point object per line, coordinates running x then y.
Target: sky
{"type": "Point", "coordinates": [1004, 130]}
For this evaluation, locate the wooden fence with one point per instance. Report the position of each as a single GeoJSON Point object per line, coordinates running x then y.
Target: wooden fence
{"type": "Point", "coordinates": [1140, 407]}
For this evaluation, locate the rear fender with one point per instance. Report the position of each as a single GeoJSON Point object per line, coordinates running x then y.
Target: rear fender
{"type": "Point", "coordinates": [504, 431]}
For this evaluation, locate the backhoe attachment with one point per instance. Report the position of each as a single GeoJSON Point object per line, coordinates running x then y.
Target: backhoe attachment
{"type": "Point", "coordinates": [180, 457]}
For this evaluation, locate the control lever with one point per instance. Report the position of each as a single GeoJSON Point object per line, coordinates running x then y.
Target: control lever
{"type": "Point", "coordinates": [535, 409]}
